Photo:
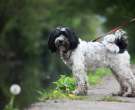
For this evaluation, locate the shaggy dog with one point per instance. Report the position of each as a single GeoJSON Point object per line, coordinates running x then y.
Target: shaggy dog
{"type": "Point", "coordinates": [81, 56]}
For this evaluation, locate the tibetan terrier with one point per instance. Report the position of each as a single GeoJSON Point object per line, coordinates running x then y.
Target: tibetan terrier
{"type": "Point", "coordinates": [80, 56]}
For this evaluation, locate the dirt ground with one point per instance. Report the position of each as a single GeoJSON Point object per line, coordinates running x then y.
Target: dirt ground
{"type": "Point", "coordinates": [99, 98]}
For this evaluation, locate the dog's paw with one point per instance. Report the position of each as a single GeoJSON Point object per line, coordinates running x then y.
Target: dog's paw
{"type": "Point", "coordinates": [129, 94]}
{"type": "Point", "coordinates": [81, 89]}
{"type": "Point", "coordinates": [118, 94]}
{"type": "Point", "coordinates": [76, 92]}
{"type": "Point", "coordinates": [80, 92]}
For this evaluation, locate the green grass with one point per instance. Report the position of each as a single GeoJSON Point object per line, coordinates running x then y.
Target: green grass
{"type": "Point", "coordinates": [55, 94]}
{"type": "Point", "coordinates": [111, 99]}
{"type": "Point", "coordinates": [95, 78]}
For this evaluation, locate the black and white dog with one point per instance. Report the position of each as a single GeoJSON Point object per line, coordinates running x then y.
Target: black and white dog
{"type": "Point", "coordinates": [81, 55]}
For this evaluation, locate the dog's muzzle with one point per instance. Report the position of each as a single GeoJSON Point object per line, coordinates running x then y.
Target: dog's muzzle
{"type": "Point", "coordinates": [59, 43]}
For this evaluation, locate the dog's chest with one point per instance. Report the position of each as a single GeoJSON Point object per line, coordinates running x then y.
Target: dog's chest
{"type": "Point", "coordinates": [66, 58]}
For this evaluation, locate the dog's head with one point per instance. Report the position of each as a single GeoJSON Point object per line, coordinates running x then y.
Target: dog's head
{"type": "Point", "coordinates": [62, 39]}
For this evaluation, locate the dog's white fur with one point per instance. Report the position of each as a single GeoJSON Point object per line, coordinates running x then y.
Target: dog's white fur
{"type": "Point", "coordinates": [105, 53]}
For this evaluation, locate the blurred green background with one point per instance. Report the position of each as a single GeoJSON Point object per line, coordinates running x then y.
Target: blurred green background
{"type": "Point", "coordinates": [24, 28]}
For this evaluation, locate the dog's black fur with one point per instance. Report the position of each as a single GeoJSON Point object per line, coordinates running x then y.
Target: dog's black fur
{"type": "Point", "coordinates": [69, 33]}
{"type": "Point", "coordinates": [122, 44]}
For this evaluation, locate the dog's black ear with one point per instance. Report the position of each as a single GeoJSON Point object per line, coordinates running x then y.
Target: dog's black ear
{"type": "Point", "coordinates": [73, 39]}
{"type": "Point", "coordinates": [51, 40]}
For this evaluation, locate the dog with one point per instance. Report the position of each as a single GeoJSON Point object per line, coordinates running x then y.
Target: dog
{"type": "Point", "coordinates": [81, 56]}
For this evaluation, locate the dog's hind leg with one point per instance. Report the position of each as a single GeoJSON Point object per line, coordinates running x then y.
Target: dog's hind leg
{"type": "Point", "coordinates": [123, 85]}
{"type": "Point", "coordinates": [131, 81]}
{"type": "Point", "coordinates": [126, 80]}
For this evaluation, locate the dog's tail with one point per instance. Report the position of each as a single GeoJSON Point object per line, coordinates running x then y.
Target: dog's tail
{"type": "Point", "coordinates": [121, 40]}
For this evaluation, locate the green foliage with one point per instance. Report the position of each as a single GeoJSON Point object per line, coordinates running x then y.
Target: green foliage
{"type": "Point", "coordinates": [24, 28]}
{"type": "Point", "coordinates": [51, 94]}
{"type": "Point", "coordinates": [96, 77]}
{"type": "Point", "coordinates": [56, 94]}
{"type": "Point", "coordinates": [65, 84]}
{"type": "Point", "coordinates": [10, 105]}
{"type": "Point", "coordinates": [63, 90]}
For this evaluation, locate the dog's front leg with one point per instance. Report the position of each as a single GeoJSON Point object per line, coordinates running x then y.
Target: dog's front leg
{"type": "Point", "coordinates": [80, 73]}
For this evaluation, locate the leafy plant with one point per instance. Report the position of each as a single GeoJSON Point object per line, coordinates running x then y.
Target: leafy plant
{"type": "Point", "coordinates": [50, 94]}
{"type": "Point", "coordinates": [10, 105]}
{"type": "Point", "coordinates": [65, 84]}
{"type": "Point", "coordinates": [63, 89]}
{"type": "Point", "coordinates": [56, 94]}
